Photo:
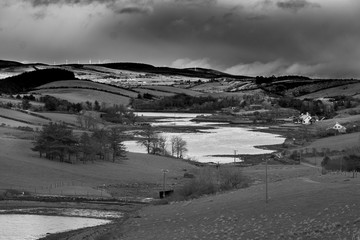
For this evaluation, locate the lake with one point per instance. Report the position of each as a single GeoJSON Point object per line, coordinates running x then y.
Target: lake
{"type": "Point", "coordinates": [28, 227]}
{"type": "Point", "coordinates": [223, 139]}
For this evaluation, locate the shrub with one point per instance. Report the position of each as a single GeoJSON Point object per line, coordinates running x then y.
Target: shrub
{"type": "Point", "coordinates": [210, 180]}
{"type": "Point", "coordinates": [350, 162]}
{"type": "Point", "coordinates": [294, 155]}
{"type": "Point", "coordinates": [231, 178]}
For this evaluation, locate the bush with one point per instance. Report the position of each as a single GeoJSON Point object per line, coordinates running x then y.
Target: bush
{"type": "Point", "coordinates": [210, 180]}
{"type": "Point", "coordinates": [231, 178]}
{"type": "Point", "coordinates": [14, 192]}
{"type": "Point", "coordinates": [350, 162]}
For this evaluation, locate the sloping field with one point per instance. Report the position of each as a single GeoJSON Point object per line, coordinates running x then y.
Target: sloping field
{"type": "Point", "coordinates": [60, 117]}
{"type": "Point", "coordinates": [347, 90]}
{"type": "Point", "coordinates": [22, 168]}
{"type": "Point", "coordinates": [309, 207]}
{"type": "Point", "coordinates": [15, 124]}
{"type": "Point", "coordinates": [234, 94]}
{"type": "Point", "coordinates": [154, 92]}
{"type": "Point", "coordinates": [18, 101]}
{"type": "Point", "coordinates": [339, 142]}
{"type": "Point", "coordinates": [13, 71]}
{"type": "Point", "coordinates": [342, 120]}
{"type": "Point", "coordinates": [87, 84]}
{"type": "Point", "coordinates": [174, 90]}
{"type": "Point", "coordinates": [210, 87]}
{"type": "Point", "coordinates": [22, 117]}
{"type": "Point", "coordinates": [76, 95]}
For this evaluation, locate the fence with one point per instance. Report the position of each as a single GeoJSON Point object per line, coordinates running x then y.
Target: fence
{"type": "Point", "coordinates": [70, 188]}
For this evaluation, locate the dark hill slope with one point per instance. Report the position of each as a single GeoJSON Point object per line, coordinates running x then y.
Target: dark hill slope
{"type": "Point", "coordinates": [29, 80]}
{"type": "Point", "coordinates": [187, 72]}
{"type": "Point", "coordinates": [5, 63]}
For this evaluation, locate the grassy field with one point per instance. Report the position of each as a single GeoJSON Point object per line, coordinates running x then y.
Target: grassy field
{"type": "Point", "coordinates": [15, 124]}
{"type": "Point", "coordinates": [16, 115]}
{"type": "Point", "coordinates": [76, 95]}
{"type": "Point", "coordinates": [88, 84]}
{"type": "Point", "coordinates": [299, 207]}
{"type": "Point", "coordinates": [60, 117]}
{"type": "Point", "coordinates": [18, 101]}
{"type": "Point", "coordinates": [339, 142]}
{"type": "Point", "coordinates": [22, 169]}
{"type": "Point", "coordinates": [347, 90]}
{"type": "Point", "coordinates": [154, 92]}
{"type": "Point", "coordinates": [175, 90]}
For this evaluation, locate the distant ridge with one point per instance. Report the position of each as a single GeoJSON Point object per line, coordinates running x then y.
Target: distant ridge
{"type": "Point", "coordinates": [29, 80]}
{"type": "Point", "coordinates": [6, 63]}
{"type": "Point", "coordinates": [187, 72]}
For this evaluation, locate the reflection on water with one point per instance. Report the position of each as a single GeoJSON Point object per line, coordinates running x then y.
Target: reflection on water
{"type": "Point", "coordinates": [222, 140]}
{"type": "Point", "coordinates": [28, 227]}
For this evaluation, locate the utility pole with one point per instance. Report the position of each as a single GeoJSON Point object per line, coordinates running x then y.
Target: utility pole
{"type": "Point", "coordinates": [234, 155]}
{"type": "Point", "coordinates": [164, 179]}
{"type": "Point", "coordinates": [266, 181]}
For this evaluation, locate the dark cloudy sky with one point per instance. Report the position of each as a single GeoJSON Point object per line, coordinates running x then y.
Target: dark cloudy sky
{"type": "Point", "coordinates": [319, 38]}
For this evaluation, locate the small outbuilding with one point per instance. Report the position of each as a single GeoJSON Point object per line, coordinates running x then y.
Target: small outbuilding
{"type": "Point", "coordinates": [338, 127]}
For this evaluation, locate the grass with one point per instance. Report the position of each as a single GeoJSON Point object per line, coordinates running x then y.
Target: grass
{"type": "Point", "coordinates": [87, 84]}
{"type": "Point", "coordinates": [22, 117]}
{"type": "Point", "coordinates": [76, 95]}
{"type": "Point", "coordinates": [174, 90]}
{"type": "Point", "coordinates": [14, 101]}
{"type": "Point", "coordinates": [22, 169]}
{"type": "Point", "coordinates": [325, 208]}
{"type": "Point", "coordinates": [338, 143]}
{"type": "Point", "coordinates": [60, 117]}
{"type": "Point", "coordinates": [154, 92]}
{"type": "Point", "coordinates": [344, 90]}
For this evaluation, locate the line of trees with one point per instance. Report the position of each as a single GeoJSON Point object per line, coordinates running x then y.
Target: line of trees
{"type": "Point", "coordinates": [157, 144]}
{"type": "Point", "coordinates": [57, 141]}
{"type": "Point", "coordinates": [182, 101]}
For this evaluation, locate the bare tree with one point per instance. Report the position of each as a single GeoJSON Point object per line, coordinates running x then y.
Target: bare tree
{"type": "Point", "coordinates": [87, 120]}
{"type": "Point", "coordinates": [178, 146]}
{"type": "Point", "coordinates": [148, 138]}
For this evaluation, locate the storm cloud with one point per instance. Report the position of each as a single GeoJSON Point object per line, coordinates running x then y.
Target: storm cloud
{"type": "Point", "coordinates": [262, 37]}
{"type": "Point", "coordinates": [296, 5]}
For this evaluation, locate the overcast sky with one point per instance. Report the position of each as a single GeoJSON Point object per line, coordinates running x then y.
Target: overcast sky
{"type": "Point", "coordinates": [319, 38]}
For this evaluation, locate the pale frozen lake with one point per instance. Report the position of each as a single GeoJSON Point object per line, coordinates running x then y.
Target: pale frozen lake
{"type": "Point", "coordinates": [222, 140]}
{"type": "Point", "coordinates": [29, 227]}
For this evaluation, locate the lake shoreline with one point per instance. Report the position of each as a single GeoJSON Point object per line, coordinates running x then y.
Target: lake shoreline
{"type": "Point", "coordinates": [46, 209]}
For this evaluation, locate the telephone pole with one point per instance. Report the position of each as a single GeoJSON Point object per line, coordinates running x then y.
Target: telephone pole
{"type": "Point", "coordinates": [266, 181]}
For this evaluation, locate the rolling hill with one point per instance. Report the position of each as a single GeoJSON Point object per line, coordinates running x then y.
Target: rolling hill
{"type": "Point", "coordinates": [5, 63]}
{"type": "Point", "coordinates": [29, 80]}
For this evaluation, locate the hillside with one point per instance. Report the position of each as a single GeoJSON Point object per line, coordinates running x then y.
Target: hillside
{"type": "Point", "coordinates": [187, 72]}
{"type": "Point", "coordinates": [5, 63]}
{"type": "Point", "coordinates": [144, 78]}
{"type": "Point", "coordinates": [17, 159]}
{"type": "Point", "coordinates": [29, 80]}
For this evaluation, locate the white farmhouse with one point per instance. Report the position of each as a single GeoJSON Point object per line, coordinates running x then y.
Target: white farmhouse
{"type": "Point", "coordinates": [305, 118]}
{"type": "Point", "coordinates": [339, 128]}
